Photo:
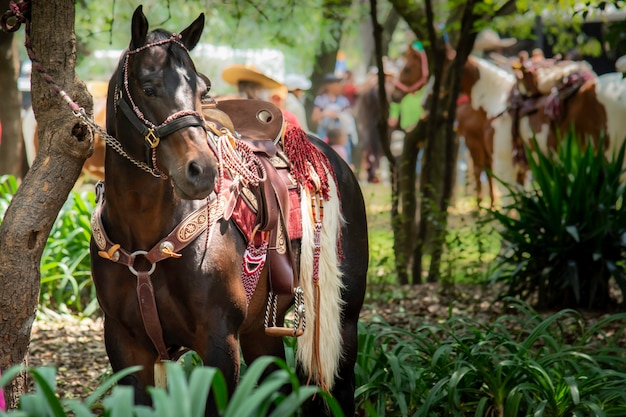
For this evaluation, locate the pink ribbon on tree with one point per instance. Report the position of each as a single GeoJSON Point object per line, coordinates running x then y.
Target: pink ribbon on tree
{"type": "Point", "coordinates": [3, 405]}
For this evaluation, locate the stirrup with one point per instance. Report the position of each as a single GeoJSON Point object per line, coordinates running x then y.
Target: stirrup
{"type": "Point", "coordinates": [299, 319]}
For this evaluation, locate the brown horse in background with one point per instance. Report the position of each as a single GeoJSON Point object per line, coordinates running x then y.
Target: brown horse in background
{"type": "Point", "coordinates": [168, 252]}
{"type": "Point", "coordinates": [471, 124]}
{"type": "Point", "coordinates": [589, 105]}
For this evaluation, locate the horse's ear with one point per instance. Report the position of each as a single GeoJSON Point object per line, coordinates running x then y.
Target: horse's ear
{"type": "Point", "coordinates": [191, 35]}
{"type": "Point", "coordinates": [139, 29]}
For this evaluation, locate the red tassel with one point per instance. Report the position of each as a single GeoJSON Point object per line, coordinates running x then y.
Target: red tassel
{"type": "Point", "coordinates": [303, 154]}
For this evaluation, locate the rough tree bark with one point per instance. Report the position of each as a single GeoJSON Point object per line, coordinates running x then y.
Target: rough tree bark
{"type": "Point", "coordinates": [438, 168]}
{"type": "Point", "coordinates": [441, 147]}
{"type": "Point", "coordinates": [334, 14]}
{"type": "Point", "coordinates": [11, 144]}
{"type": "Point", "coordinates": [388, 26]}
{"type": "Point", "coordinates": [64, 146]}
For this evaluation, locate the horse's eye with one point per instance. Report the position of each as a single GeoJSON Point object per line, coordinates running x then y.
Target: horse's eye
{"type": "Point", "coordinates": [149, 91]}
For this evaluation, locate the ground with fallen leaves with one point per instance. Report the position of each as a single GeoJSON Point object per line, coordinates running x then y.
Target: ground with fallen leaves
{"type": "Point", "coordinates": [76, 346]}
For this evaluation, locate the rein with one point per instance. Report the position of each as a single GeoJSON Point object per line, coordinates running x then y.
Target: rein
{"type": "Point", "coordinates": [408, 89]}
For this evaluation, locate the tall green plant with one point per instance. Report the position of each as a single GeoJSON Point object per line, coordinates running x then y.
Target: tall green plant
{"type": "Point", "coordinates": [566, 236]}
{"type": "Point", "coordinates": [65, 265]}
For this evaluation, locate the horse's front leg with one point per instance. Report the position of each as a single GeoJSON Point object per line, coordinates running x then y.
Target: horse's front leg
{"type": "Point", "coordinates": [126, 349]}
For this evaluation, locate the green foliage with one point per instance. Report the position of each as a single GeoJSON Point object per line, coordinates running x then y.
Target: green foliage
{"type": "Point", "coordinates": [8, 187]}
{"type": "Point", "coordinates": [186, 394]}
{"type": "Point", "coordinates": [65, 263]}
{"type": "Point", "coordinates": [520, 365]}
{"type": "Point", "coordinates": [470, 247]}
{"type": "Point", "coordinates": [566, 237]}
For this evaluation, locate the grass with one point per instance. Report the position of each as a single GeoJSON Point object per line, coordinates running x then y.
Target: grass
{"type": "Point", "coordinates": [471, 244]}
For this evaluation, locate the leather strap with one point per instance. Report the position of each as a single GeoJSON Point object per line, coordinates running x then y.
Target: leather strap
{"type": "Point", "coordinates": [184, 233]}
{"type": "Point", "coordinates": [163, 130]}
{"type": "Point", "coordinates": [281, 266]}
{"type": "Point", "coordinates": [150, 314]}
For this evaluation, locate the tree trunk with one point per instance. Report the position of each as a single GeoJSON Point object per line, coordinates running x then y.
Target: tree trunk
{"type": "Point", "coordinates": [403, 212]}
{"type": "Point", "coordinates": [335, 12]}
{"type": "Point", "coordinates": [439, 160]}
{"type": "Point", "coordinates": [388, 28]}
{"type": "Point", "coordinates": [64, 146]}
{"type": "Point", "coordinates": [11, 143]}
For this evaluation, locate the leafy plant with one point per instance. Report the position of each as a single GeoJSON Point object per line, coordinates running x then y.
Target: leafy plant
{"type": "Point", "coordinates": [185, 396]}
{"type": "Point", "coordinates": [566, 237]}
{"type": "Point", "coordinates": [521, 364]}
{"type": "Point", "coordinates": [65, 264]}
{"type": "Point", "coordinates": [8, 187]}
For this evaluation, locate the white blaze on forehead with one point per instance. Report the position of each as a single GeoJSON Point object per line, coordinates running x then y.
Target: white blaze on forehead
{"type": "Point", "coordinates": [611, 93]}
{"type": "Point", "coordinates": [183, 90]}
{"type": "Point", "coordinates": [492, 89]}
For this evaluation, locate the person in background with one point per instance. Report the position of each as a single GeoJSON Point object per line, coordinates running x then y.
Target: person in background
{"type": "Point", "coordinates": [488, 42]}
{"type": "Point", "coordinates": [278, 97]}
{"type": "Point", "coordinates": [296, 86]}
{"type": "Point", "coordinates": [349, 89]}
{"type": "Point", "coordinates": [331, 110]}
{"type": "Point", "coordinates": [251, 83]}
{"type": "Point", "coordinates": [337, 138]}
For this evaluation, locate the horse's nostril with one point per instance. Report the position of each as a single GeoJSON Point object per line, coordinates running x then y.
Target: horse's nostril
{"type": "Point", "coordinates": [194, 170]}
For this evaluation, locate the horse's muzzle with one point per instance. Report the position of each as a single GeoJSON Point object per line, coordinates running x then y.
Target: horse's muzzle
{"type": "Point", "coordinates": [196, 180]}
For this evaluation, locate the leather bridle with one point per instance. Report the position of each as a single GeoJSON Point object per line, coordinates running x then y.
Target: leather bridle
{"type": "Point", "coordinates": [152, 132]}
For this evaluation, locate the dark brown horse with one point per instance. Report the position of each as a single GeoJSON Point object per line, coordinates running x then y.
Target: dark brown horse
{"type": "Point", "coordinates": [167, 256]}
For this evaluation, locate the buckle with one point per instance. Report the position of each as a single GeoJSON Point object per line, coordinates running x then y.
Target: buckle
{"type": "Point", "coordinates": [152, 139]}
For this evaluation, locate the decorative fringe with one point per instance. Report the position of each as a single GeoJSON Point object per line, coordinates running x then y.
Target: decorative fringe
{"type": "Point", "coordinates": [316, 361]}
{"type": "Point", "coordinates": [253, 263]}
{"type": "Point", "coordinates": [304, 156]}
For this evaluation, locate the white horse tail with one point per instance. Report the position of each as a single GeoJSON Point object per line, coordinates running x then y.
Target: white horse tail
{"type": "Point", "coordinates": [320, 347]}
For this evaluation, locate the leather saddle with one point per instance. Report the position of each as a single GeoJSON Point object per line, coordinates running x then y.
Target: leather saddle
{"type": "Point", "coordinates": [266, 208]}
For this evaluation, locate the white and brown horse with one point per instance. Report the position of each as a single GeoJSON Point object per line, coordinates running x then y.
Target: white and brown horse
{"type": "Point", "coordinates": [593, 109]}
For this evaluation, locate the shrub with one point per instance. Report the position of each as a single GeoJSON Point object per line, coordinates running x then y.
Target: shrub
{"type": "Point", "coordinates": [521, 364]}
{"type": "Point", "coordinates": [566, 237]}
{"type": "Point", "coordinates": [65, 263]}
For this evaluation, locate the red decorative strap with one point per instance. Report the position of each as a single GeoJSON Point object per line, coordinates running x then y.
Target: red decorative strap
{"type": "Point", "coordinates": [253, 263]}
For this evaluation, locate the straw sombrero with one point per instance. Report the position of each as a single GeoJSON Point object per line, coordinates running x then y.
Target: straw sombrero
{"type": "Point", "coordinates": [488, 39]}
{"type": "Point", "coordinates": [235, 73]}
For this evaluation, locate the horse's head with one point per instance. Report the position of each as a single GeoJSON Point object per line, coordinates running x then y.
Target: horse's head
{"type": "Point", "coordinates": [413, 75]}
{"type": "Point", "coordinates": [154, 107]}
